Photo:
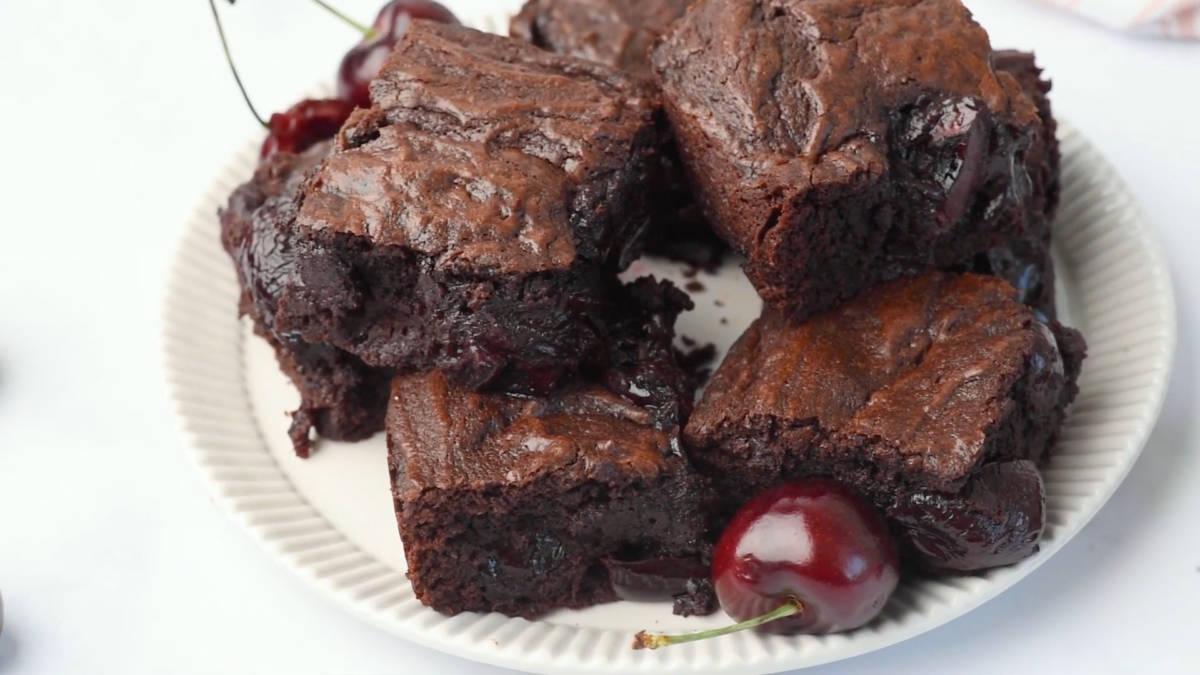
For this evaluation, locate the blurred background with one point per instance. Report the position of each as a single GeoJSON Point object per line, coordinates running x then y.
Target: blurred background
{"type": "Point", "coordinates": [115, 117]}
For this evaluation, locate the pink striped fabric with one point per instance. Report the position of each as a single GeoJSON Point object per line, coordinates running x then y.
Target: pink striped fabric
{"type": "Point", "coordinates": [1167, 18]}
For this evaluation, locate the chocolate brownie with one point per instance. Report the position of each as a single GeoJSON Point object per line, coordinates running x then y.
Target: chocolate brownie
{"type": "Point", "coordinates": [473, 219]}
{"type": "Point", "coordinates": [911, 387]}
{"type": "Point", "coordinates": [1025, 261]}
{"type": "Point", "coordinates": [840, 143]}
{"type": "Point", "coordinates": [620, 33]}
{"type": "Point", "coordinates": [520, 504]}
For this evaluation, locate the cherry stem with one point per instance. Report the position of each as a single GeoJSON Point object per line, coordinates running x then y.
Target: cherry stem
{"type": "Point", "coordinates": [232, 68]}
{"type": "Point", "coordinates": [644, 640]}
{"type": "Point", "coordinates": [367, 31]}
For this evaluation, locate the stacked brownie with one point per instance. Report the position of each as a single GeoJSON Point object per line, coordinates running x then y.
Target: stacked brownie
{"type": "Point", "coordinates": [447, 267]}
{"type": "Point", "coordinates": [843, 147]}
{"type": "Point", "coordinates": [472, 220]}
{"type": "Point", "coordinates": [464, 235]}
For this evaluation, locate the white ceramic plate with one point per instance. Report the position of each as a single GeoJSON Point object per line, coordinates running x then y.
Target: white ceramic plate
{"type": "Point", "coordinates": [330, 518]}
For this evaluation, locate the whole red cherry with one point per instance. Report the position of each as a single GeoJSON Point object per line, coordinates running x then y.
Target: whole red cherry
{"type": "Point", "coordinates": [810, 556]}
{"type": "Point", "coordinates": [363, 62]}
{"type": "Point", "coordinates": [304, 124]}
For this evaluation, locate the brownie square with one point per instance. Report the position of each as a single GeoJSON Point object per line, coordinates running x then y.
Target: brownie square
{"type": "Point", "coordinates": [911, 387]}
{"type": "Point", "coordinates": [473, 219]}
{"type": "Point", "coordinates": [838, 144]}
{"type": "Point", "coordinates": [517, 504]}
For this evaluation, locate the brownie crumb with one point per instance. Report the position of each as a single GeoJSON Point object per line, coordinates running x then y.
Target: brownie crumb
{"type": "Point", "coordinates": [718, 303]}
{"type": "Point", "coordinates": [691, 272]}
{"type": "Point", "coordinates": [699, 600]}
{"type": "Point", "coordinates": [724, 321]}
{"type": "Point", "coordinates": [687, 341]}
{"type": "Point", "coordinates": [694, 286]}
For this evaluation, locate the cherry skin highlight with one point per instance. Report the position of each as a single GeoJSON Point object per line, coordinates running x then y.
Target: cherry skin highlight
{"type": "Point", "coordinates": [363, 63]}
{"type": "Point", "coordinates": [814, 541]}
{"type": "Point", "coordinates": [301, 126]}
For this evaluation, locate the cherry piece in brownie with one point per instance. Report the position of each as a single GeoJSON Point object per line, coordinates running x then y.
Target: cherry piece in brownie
{"type": "Point", "coordinates": [840, 143]}
{"type": "Point", "coordinates": [912, 387]}
{"type": "Point", "coordinates": [520, 504]}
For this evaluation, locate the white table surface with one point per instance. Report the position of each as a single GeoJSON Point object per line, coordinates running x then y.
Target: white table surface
{"type": "Point", "coordinates": [113, 559]}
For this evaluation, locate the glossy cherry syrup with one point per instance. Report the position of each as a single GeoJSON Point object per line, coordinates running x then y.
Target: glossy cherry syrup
{"type": "Point", "coordinates": [304, 124]}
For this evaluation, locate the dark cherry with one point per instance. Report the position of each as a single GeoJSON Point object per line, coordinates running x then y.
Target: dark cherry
{"type": "Point", "coordinates": [363, 63]}
{"type": "Point", "coordinates": [996, 520]}
{"type": "Point", "coordinates": [304, 124]}
{"type": "Point", "coordinates": [811, 556]}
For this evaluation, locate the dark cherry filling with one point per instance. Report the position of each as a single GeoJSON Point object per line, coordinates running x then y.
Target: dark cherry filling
{"type": "Point", "coordinates": [951, 160]}
{"type": "Point", "coordinates": [304, 125]}
{"type": "Point", "coordinates": [996, 520]}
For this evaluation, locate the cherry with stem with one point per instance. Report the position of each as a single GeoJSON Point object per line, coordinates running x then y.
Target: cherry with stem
{"type": "Point", "coordinates": [645, 640]}
{"type": "Point", "coordinates": [810, 556]}
{"type": "Point", "coordinates": [233, 68]}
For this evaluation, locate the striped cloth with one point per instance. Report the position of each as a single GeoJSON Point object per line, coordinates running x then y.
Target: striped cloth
{"type": "Point", "coordinates": [1166, 18]}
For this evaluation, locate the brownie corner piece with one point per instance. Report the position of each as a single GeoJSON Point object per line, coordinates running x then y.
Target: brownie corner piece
{"type": "Point", "coordinates": [514, 504]}
{"type": "Point", "coordinates": [839, 144]}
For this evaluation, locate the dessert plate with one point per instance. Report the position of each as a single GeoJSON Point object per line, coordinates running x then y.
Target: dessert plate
{"type": "Point", "coordinates": [330, 518]}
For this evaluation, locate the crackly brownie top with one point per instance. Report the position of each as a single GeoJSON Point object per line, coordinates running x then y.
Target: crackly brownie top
{"type": "Point", "coordinates": [476, 150]}
{"type": "Point", "coordinates": [804, 88]}
{"type": "Point", "coordinates": [925, 366]}
{"type": "Point", "coordinates": [450, 438]}
{"type": "Point", "coordinates": [619, 33]}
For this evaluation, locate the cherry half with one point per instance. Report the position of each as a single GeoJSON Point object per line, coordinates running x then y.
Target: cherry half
{"type": "Point", "coordinates": [810, 556]}
{"type": "Point", "coordinates": [364, 61]}
{"type": "Point", "coordinates": [304, 124]}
